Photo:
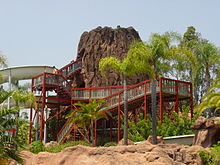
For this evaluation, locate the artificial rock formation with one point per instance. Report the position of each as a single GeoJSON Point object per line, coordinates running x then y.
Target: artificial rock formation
{"type": "Point", "coordinates": [143, 153]}
{"type": "Point", "coordinates": [100, 43]}
{"type": "Point", "coordinates": [208, 131]}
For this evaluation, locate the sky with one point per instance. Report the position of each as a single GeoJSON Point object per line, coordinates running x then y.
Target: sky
{"type": "Point", "coordinates": [47, 32]}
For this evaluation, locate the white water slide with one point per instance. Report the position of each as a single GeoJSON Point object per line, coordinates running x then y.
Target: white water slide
{"type": "Point", "coordinates": [14, 74]}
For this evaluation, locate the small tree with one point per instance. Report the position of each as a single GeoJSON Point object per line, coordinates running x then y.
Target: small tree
{"type": "Point", "coordinates": [127, 67]}
{"type": "Point", "coordinates": [87, 114]}
{"type": "Point", "coordinates": [7, 121]}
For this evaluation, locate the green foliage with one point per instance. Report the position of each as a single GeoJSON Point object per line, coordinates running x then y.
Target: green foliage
{"type": "Point", "coordinates": [38, 146]}
{"type": "Point", "coordinates": [206, 157]}
{"type": "Point", "coordinates": [109, 144]}
{"type": "Point", "coordinates": [24, 98]}
{"type": "Point", "coordinates": [23, 133]}
{"type": "Point", "coordinates": [60, 147]}
{"type": "Point", "coordinates": [3, 61]}
{"type": "Point", "coordinates": [211, 99]}
{"type": "Point", "coordinates": [207, 57]}
{"type": "Point", "coordinates": [87, 114]}
{"type": "Point", "coordinates": [178, 125]}
{"type": "Point", "coordinates": [7, 121]}
{"type": "Point", "coordinates": [212, 157]}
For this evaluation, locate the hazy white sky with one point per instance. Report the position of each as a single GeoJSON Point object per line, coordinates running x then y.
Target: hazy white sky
{"type": "Point", "coordinates": [47, 32]}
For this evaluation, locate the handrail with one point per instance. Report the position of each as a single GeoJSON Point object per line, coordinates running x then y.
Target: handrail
{"type": "Point", "coordinates": [168, 86]}
{"type": "Point", "coordinates": [134, 92]}
{"type": "Point", "coordinates": [70, 68]}
{"type": "Point", "coordinates": [64, 130]}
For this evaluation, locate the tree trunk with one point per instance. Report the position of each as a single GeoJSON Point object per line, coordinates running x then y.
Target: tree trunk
{"type": "Point", "coordinates": [125, 112]}
{"type": "Point", "coordinates": [154, 111]}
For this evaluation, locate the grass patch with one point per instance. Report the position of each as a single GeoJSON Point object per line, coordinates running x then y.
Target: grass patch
{"type": "Point", "coordinates": [37, 146]}
{"type": "Point", "coordinates": [60, 147]}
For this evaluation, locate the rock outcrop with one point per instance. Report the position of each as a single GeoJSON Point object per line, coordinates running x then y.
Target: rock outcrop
{"type": "Point", "coordinates": [100, 43]}
{"type": "Point", "coordinates": [208, 131]}
{"type": "Point", "coordinates": [161, 154]}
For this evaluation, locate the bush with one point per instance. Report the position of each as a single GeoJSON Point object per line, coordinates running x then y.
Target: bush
{"type": "Point", "coordinates": [37, 147]}
{"type": "Point", "coordinates": [212, 157]}
{"type": "Point", "coordinates": [178, 125]}
{"type": "Point", "coordinates": [110, 144]}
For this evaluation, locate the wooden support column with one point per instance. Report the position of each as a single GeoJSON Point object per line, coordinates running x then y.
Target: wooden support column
{"type": "Point", "coordinates": [119, 120]}
{"type": "Point", "coordinates": [110, 129]}
{"type": "Point", "coordinates": [30, 129]}
{"type": "Point", "coordinates": [74, 133]}
{"type": "Point", "coordinates": [177, 97]}
{"type": "Point", "coordinates": [161, 99]}
{"type": "Point", "coordinates": [95, 133]}
{"type": "Point", "coordinates": [145, 101]}
{"type": "Point", "coordinates": [42, 108]}
{"type": "Point", "coordinates": [191, 100]}
{"type": "Point", "coordinates": [103, 131]}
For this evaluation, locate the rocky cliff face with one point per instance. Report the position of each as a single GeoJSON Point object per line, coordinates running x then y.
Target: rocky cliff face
{"type": "Point", "coordinates": [208, 131]}
{"type": "Point", "coordinates": [100, 43]}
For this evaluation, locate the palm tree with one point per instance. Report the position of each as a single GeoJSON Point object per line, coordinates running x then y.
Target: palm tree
{"type": "Point", "coordinates": [23, 99]}
{"type": "Point", "coordinates": [208, 57]}
{"type": "Point", "coordinates": [7, 121]}
{"type": "Point", "coordinates": [87, 114]}
{"type": "Point", "coordinates": [127, 67]}
{"type": "Point", "coordinates": [212, 98]}
{"type": "Point", "coordinates": [158, 52]}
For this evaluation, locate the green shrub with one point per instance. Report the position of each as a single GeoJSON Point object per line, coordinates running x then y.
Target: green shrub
{"type": "Point", "coordinates": [60, 147]}
{"type": "Point", "coordinates": [37, 147]}
{"type": "Point", "coordinates": [110, 144]}
{"type": "Point", "coordinates": [178, 125]}
{"type": "Point", "coordinates": [206, 157]}
{"type": "Point", "coordinates": [212, 157]}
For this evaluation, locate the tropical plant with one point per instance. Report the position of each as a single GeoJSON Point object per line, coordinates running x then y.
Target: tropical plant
{"type": "Point", "coordinates": [87, 114]}
{"type": "Point", "coordinates": [211, 157]}
{"type": "Point", "coordinates": [208, 61]}
{"type": "Point", "coordinates": [8, 121]}
{"type": "Point", "coordinates": [211, 99]}
{"type": "Point", "coordinates": [127, 68]}
{"type": "Point", "coordinates": [23, 99]}
{"type": "Point", "coordinates": [159, 53]}
{"type": "Point", "coordinates": [177, 125]}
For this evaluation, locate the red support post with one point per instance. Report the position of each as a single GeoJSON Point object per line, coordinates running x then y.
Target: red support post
{"type": "Point", "coordinates": [42, 108]}
{"type": "Point", "coordinates": [31, 113]}
{"type": "Point", "coordinates": [161, 99]}
{"type": "Point", "coordinates": [177, 97]}
{"type": "Point", "coordinates": [119, 120]}
{"type": "Point", "coordinates": [103, 131]}
{"type": "Point", "coordinates": [74, 133]}
{"type": "Point", "coordinates": [30, 129]}
{"type": "Point", "coordinates": [191, 100]}
{"type": "Point", "coordinates": [95, 133]}
{"type": "Point", "coordinates": [110, 129]}
{"type": "Point", "coordinates": [145, 101]}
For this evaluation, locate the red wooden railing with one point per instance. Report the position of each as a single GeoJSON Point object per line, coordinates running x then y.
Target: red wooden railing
{"type": "Point", "coordinates": [94, 93]}
{"type": "Point", "coordinates": [70, 68]}
{"type": "Point", "coordinates": [114, 95]}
